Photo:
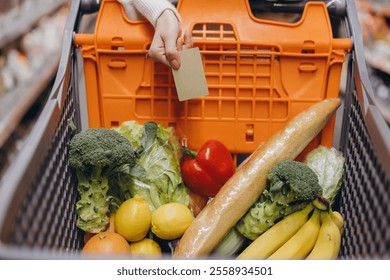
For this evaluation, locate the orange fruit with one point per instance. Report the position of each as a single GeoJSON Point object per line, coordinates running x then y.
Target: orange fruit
{"type": "Point", "coordinates": [110, 228]}
{"type": "Point", "coordinates": [104, 243]}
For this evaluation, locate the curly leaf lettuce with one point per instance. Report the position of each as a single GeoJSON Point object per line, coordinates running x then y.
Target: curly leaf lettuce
{"type": "Point", "coordinates": [132, 131]}
{"type": "Point", "coordinates": [156, 175]}
{"type": "Point", "coordinates": [328, 164]}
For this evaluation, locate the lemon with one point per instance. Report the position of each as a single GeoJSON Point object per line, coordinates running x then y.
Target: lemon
{"type": "Point", "coordinates": [170, 220]}
{"type": "Point", "coordinates": [132, 220]}
{"type": "Point", "coordinates": [146, 247]}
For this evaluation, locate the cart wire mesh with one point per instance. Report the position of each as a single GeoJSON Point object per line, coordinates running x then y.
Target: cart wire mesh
{"type": "Point", "coordinates": [46, 218]}
{"type": "Point", "coordinates": [365, 196]}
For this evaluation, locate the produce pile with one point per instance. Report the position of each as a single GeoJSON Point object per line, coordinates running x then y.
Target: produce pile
{"type": "Point", "coordinates": [144, 194]}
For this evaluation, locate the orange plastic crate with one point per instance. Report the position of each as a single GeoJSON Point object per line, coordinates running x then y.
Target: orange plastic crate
{"type": "Point", "coordinates": [260, 73]}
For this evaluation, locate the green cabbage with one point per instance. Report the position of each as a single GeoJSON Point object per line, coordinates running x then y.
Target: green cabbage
{"type": "Point", "coordinates": [328, 164]}
{"type": "Point", "coordinates": [156, 175]}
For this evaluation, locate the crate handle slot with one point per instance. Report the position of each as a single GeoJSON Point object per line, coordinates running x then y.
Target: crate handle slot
{"type": "Point", "coordinates": [117, 43]}
{"type": "Point", "coordinates": [117, 64]}
{"type": "Point", "coordinates": [307, 67]}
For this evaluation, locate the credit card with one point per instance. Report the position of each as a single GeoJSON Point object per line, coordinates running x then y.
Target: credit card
{"type": "Point", "coordinates": [190, 79]}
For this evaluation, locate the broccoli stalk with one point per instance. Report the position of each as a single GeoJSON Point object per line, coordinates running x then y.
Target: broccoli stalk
{"type": "Point", "coordinates": [291, 185]}
{"type": "Point", "coordinates": [96, 154]}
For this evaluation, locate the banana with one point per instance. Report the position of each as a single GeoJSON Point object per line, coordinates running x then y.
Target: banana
{"type": "Point", "coordinates": [301, 243]}
{"type": "Point", "coordinates": [338, 220]}
{"type": "Point", "coordinates": [328, 243]}
{"type": "Point", "coordinates": [277, 235]}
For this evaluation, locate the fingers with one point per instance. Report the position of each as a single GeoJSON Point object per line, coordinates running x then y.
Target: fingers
{"type": "Point", "coordinates": [171, 51]}
{"type": "Point", "coordinates": [164, 54]}
{"type": "Point", "coordinates": [188, 42]}
{"type": "Point", "coordinates": [179, 44]}
{"type": "Point", "coordinates": [165, 47]}
{"type": "Point", "coordinates": [184, 42]}
{"type": "Point", "coordinates": [157, 50]}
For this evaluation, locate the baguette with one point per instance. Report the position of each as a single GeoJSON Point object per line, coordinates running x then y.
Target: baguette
{"type": "Point", "coordinates": [246, 185]}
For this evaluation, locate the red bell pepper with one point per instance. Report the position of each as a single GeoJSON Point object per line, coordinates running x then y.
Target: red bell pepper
{"type": "Point", "coordinates": [206, 171]}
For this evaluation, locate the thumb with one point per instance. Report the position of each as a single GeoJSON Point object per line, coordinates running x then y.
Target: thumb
{"type": "Point", "coordinates": [171, 52]}
{"type": "Point", "coordinates": [172, 56]}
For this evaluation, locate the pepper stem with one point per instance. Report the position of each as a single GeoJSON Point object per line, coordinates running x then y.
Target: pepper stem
{"type": "Point", "coordinates": [189, 152]}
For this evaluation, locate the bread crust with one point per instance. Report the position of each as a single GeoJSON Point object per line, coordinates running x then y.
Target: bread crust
{"type": "Point", "coordinates": [245, 186]}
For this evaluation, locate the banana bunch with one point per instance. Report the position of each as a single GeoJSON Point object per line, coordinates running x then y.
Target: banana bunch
{"type": "Point", "coordinates": [312, 233]}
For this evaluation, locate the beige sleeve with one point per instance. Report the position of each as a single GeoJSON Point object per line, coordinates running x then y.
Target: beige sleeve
{"type": "Point", "coordinates": [149, 9]}
{"type": "Point", "coordinates": [131, 11]}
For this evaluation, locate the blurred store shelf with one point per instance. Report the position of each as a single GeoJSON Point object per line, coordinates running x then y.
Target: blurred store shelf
{"type": "Point", "coordinates": [30, 47]}
{"type": "Point", "coordinates": [27, 68]}
{"type": "Point", "coordinates": [20, 19]}
{"type": "Point", "coordinates": [374, 18]}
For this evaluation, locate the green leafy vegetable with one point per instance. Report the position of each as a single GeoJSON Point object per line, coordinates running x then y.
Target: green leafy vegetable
{"type": "Point", "coordinates": [156, 175]}
{"type": "Point", "coordinates": [291, 185]}
{"type": "Point", "coordinates": [231, 244]}
{"type": "Point", "coordinates": [97, 154]}
{"type": "Point", "coordinates": [328, 164]}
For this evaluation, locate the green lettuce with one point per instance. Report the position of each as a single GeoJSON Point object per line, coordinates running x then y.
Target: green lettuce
{"type": "Point", "coordinates": [156, 175]}
{"type": "Point", "coordinates": [132, 131]}
{"type": "Point", "coordinates": [328, 164]}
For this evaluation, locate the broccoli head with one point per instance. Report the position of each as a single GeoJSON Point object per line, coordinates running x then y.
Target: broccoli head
{"type": "Point", "coordinates": [96, 154]}
{"type": "Point", "coordinates": [291, 181]}
{"type": "Point", "coordinates": [291, 185]}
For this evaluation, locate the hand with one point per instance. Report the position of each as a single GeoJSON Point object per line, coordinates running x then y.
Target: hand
{"type": "Point", "coordinates": [168, 40]}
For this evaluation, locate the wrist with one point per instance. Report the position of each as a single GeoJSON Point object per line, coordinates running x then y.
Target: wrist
{"type": "Point", "coordinates": [168, 15]}
{"type": "Point", "coordinates": [153, 9]}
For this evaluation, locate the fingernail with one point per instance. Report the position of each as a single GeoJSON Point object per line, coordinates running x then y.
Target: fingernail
{"type": "Point", "coordinates": [174, 64]}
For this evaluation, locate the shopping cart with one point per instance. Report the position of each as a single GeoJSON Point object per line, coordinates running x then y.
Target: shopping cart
{"type": "Point", "coordinates": [38, 191]}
